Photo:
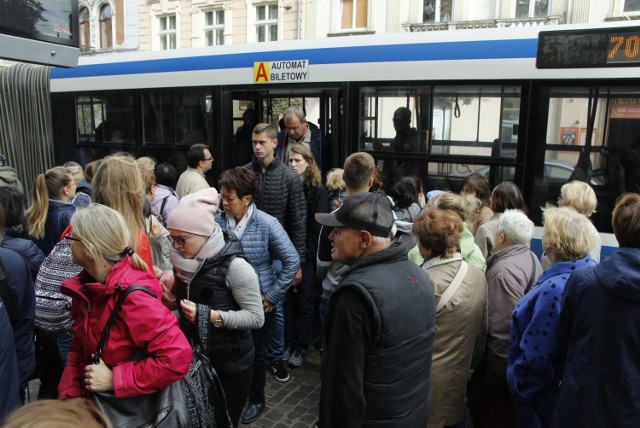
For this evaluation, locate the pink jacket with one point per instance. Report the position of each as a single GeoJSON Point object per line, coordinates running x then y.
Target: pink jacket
{"type": "Point", "coordinates": [143, 324]}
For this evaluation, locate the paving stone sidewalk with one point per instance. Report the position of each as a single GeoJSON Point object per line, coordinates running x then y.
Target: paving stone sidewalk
{"type": "Point", "coordinates": [293, 404]}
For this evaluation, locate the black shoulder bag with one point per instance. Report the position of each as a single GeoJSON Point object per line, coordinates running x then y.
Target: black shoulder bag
{"type": "Point", "coordinates": [197, 400]}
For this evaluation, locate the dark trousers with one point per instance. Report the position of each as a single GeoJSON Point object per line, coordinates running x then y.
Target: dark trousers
{"type": "Point", "coordinates": [298, 310]}
{"type": "Point", "coordinates": [49, 364]}
{"type": "Point", "coordinates": [236, 390]}
{"type": "Point", "coordinates": [260, 340]}
{"type": "Point", "coordinates": [489, 400]}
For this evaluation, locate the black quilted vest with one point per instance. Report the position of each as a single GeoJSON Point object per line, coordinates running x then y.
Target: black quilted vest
{"type": "Point", "coordinates": [397, 368]}
{"type": "Point", "coordinates": [230, 351]}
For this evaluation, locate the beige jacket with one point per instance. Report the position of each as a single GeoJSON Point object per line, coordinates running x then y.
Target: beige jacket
{"type": "Point", "coordinates": [190, 181]}
{"type": "Point", "coordinates": [461, 331]}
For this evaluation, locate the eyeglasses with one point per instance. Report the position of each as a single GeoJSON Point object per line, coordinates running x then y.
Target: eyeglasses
{"type": "Point", "coordinates": [208, 159]}
{"type": "Point", "coordinates": [69, 236]}
{"type": "Point", "coordinates": [178, 240]}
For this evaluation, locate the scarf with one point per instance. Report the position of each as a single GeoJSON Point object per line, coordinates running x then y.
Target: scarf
{"type": "Point", "coordinates": [186, 269]}
{"type": "Point", "coordinates": [239, 228]}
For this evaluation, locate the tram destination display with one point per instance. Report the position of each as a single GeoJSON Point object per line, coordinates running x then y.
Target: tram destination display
{"type": "Point", "coordinates": [598, 47]}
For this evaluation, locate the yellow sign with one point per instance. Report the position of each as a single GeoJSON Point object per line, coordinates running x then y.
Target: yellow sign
{"type": "Point", "coordinates": [281, 71]}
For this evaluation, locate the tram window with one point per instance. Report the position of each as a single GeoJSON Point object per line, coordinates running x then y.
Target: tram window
{"type": "Point", "coordinates": [193, 117]}
{"type": "Point", "coordinates": [394, 119]}
{"type": "Point", "coordinates": [244, 119]}
{"type": "Point", "coordinates": [568, 117]}
{"type": "Point", "coordinates": [159, 122]}
{"type": "Point", "coordinates": [609, 162]}
{"type": "Point", "coordinates": [105, 118]}
{"type": "Point", "coordinates": [476, 121]}
{"type": "Point", "coordinates": [450, 175]}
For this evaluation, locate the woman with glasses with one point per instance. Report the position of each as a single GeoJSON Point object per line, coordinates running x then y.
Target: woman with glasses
{"type": "Point", "coordinates": [264, 240]}
{"type": "Point", "coordinates": [210, 269]}
{"type": "Point", "coordinates": [100, 245]}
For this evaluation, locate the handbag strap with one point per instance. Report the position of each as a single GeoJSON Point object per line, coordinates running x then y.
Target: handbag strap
{"type": "Point", "coordinates": [203, 325]}
{"type": "Point", "coordinates": [453, 287]}
{"type": "Point", "coordinates": [114, 315]}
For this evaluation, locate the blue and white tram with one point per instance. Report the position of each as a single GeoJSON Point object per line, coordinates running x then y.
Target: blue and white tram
{"type": "Point", "coordinates": [477, 101]}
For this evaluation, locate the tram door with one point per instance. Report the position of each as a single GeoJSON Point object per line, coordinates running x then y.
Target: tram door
{"type": "Point", "coordinates": [321, 108]}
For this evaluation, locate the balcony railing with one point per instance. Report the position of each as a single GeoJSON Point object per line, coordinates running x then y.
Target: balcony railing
{"type": "Point", "coordinates": [487, 23]}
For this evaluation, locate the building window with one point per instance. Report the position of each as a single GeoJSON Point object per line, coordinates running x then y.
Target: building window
{"type": "Point", "coordinates": [437, 10]}
{"type": "Point", "coordinates": [83, 24]}
{"type": "Point", "coordinates": [105, 27]}
{"type": "Point", "coordinates": [167, 32]}
{"type": "Point", "coordinates": [354, 14]}
{"type": "Point", "coordinates": [532, 8]}
{"type": "Point", "coordinates": [267, 23]}
{"type": "Point", "coordinates": [632, 6]}
{"type": "Point", "coordinates": [214, 27]}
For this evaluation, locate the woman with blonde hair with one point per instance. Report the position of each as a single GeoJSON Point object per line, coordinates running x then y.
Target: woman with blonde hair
{"type": "Point", "coordinates": [461, 313]}
{"type": "Point", "coordinates": [336, 187]}
{"type": "Point", "coordinates": [299, 304]}
{"type": "Point", "coordinates": [52, 205]}
{"type": "Point", "coordinates": [100, 245]}
{"type": "Point", "coordinates": [581, 197]}
{"type": "Point", "coordinates": [479, 186]}
{"type": "Point", "coordinates": [535, 363]}
{"type": "Point", "coordinates": [118, 184]}
{"type": "Point", "coordinates": [78, 174]}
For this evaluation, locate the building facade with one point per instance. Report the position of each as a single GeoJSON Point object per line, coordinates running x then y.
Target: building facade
{"type": "Point", "coordinates": [107, 25]}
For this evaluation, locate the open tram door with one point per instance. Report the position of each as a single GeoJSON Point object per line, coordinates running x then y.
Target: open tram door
{"type": "Point", "coordinates": [247, 108]}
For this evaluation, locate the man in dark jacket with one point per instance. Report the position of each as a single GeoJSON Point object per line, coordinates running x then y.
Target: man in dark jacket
{"type": "Point", "coordinates": [299, 131]}
{"type": "Point", "coordinates": [278, 193]}
{"type": "Point", "coordinates": [379, 331]}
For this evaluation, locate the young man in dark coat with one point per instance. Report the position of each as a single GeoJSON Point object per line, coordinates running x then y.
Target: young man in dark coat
{"type": "Point", "coordinates": [279, 193]}
{"type": "Point", "coordinates": [379, 331]}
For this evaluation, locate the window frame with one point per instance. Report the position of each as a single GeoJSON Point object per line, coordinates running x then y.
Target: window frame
{"type": "Point", "coordinates": [531, 11]}
{"type": "Point", "coordinates": [216, 29]}
{"type": "Point", "coordinates": [354, 15]}
{"type": "Point", "coordinates": [84, 28]}
{"type": "Point", "coordinates": [267, 23]}
{"type": "Point", "coordinates": [164, 35]}
{"type": "Point", "coordinates": [106, 24]}
{"type": "Point", "coordinates": [436, 6]}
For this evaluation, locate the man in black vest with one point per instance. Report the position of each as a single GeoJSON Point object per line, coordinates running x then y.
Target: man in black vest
{"type": "Point", "coordinates": [380, 325]}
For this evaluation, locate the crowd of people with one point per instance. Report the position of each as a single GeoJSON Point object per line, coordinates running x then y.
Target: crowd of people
{"type": "Point", "coordinates": [433, 308]}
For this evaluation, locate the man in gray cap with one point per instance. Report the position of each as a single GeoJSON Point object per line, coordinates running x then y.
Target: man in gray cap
{"type": "Point", "coordinates": [380, 325]}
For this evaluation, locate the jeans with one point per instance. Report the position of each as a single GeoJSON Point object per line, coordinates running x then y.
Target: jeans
{"type": "Point", "coordinates": [64, 344]}
{"type": "Point", "coordinates": [323, 309]}
{"type": "Point", "coordinates": [298, 310]}
{"type": "Point", "coordinates": [271, 336]}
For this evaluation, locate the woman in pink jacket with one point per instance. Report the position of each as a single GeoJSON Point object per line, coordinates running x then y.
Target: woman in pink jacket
{"type": "Point", "coordinates": [99, 244]}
